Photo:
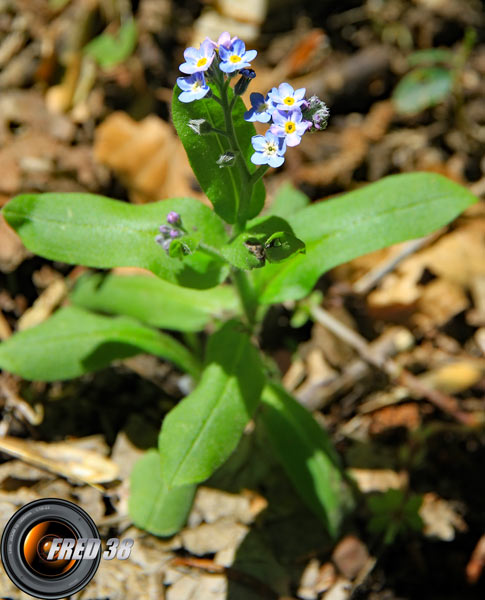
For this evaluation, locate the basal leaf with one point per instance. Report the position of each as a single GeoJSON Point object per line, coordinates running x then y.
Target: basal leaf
{"type": "Point", "coordinates": [154, 301]}
{"type": "Point", "coordinates": [98, 232]}
{"type": "Point", "coordinates": [223, 186]}
{"type": "Point", "coordinates": [109, 50]}
{"type": "Point", "coordinates": [201, 432]}
{"type": "Point", "coordinates": [75, 341]}
{"type": "Point", "coordinates": [152, 505]}
{"type": "Point", "coordinates": [397, 208]}
{"type": "Point", "coordinates": [307, 454]}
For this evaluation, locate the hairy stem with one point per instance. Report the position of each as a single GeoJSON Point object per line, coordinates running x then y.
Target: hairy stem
{"type": "Point", "coordinates": [247, 295]}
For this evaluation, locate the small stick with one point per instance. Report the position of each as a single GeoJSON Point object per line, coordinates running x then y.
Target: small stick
{"type": "Point", "coordinates": [371, 278]}
{"type": "Point", "coordinates": [245, 579]}
{"type": "Point", "coordinates": [444, 402]}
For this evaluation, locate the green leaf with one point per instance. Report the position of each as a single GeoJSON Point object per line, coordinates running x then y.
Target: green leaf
{"type": "Point", "coordinates": [288, 201]}
{"type": "Point", "coordinates": [307, 454]}
{"type": "Point", "coordinates": [268, 237]}
{"type": "Point", "coordinates": [74, 341]}
{"type": "Point", "coordinates": [98, 232]}
{"type": "Point", "coordinates": [281, 245]}
{"type": "Point", "coordinates": [109, 50]}
{"type": "Point", "coordinates": [223, 186]}
{"type": "Point", "coordinates": [154, 301]}
{"type": "Point", "coordinates": [200, 433]}
{"type": "Point", "coordinates": [430, 56]}
{"type": "Point", "coordinates": [422, 88]}
{"type": "Point", "coordinates": [152, 505]}
{"type": "Point", "coordinates": [397, 208]}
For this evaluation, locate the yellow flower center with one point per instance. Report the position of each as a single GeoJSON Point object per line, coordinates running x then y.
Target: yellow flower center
{"type": "Point", "coordinates": [202, 62]}
{"type": "Point", "coordinates": [235, 59]}
{"type": "Point", "coordinates": [271, 149]}
{"type": "Point", "coordinates": [289, 101]}
{"type": "Point", "coordinates": [289, 127]}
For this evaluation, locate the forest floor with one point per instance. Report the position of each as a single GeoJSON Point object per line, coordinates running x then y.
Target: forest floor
{"type": "Point", "coordinates": [69, 123]}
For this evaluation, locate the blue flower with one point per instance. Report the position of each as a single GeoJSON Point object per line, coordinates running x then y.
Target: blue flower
{"type": "Point", "coordinates": [284, 97]}
{"type": "Point", "coordinates": [193, 87]}
{"type": "Point", "coordinates": [289, 126]}
{"type": "Point", "coordinates": [198, 60]}
{"type": "Point", "coordinates": [269, 150]}
{"type": "Point", "coordinates": [235, 57]}
{"type": "Point", "coordinates": [260, 110]}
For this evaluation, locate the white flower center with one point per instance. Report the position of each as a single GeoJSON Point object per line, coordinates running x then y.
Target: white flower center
{"type": "Point", "coordinates": [262, 108]}
{"type": "Point", "coordinates": [271, 148]}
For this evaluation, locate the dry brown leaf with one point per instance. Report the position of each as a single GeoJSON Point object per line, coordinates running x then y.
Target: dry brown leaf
{"type": "Point", "coordinates": [209, 538]}
{"type": "Point", "coordinates": [379, 480]}
{"type": "Point", "coordinates": [210, 505]}
{"type": "Point", "coordinates": [476, 564]}
{"type": "Point", "coordinates": [63, 458]}
{"type": "Point", "coordinates": [455, 377]}
{"type": "Point", "coordinates": [440, 518]}
{"type": "Point", "coordinates": [350, 556]}
{"type": "Point", "coordinates": [12, 251]}
{"type": "Point", "coordinates": [458, 257]}
{"type": "Point", "coordinates": [146, 155]}
{"type": "Point", "coordinates": [404, 415]}
{"type": "Point", "coordinates": [440, 301]}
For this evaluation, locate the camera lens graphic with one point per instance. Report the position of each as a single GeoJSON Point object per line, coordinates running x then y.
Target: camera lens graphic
{"type": "Point", "coordinates": [27, 541]}
{"type": "Point", "coordinates": [37, 544]}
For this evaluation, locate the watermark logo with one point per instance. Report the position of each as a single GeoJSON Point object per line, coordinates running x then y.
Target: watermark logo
{"type": "Point", "coordinates": [51, 549]}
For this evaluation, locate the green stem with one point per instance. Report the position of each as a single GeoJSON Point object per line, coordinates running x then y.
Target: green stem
{"type": "Point", "coordinates": [246, 183]}
{"type": "Point", "coordinates": [256, 176]}
{"type": "Point", "coordinates": [247, 295]}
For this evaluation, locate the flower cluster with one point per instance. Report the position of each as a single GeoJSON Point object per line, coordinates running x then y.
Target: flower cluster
{"type": "Point", "coordinates": [228, 54]}
{"type": "Point", "coordinates": [290, 114]}
{"type": "Point", "coordinates": [285, 109]}
{"type": "Point", "coordinates": [171, 231]}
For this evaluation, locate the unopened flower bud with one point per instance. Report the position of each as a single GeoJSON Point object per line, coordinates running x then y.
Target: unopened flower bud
{"type": "Point", "coordinates": [242, 84]}
{"type": "Point", "coordinates": [173, 218]}
{"type": "Point", "coordinates": [174, 233]}
{"type": "Point", "coordinates": [316, 112]}
{"type": "Point", "coordinates": [226, 160]}
{"type": "Point", "coordinates": [165, 229]}
{"type": "Point", "coordinates": [200, 126]}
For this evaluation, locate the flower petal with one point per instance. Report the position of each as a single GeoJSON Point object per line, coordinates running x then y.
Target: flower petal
{"type": "Point", "coordinates": [238, 47]}
{"type": "Point", "coordinates": [276, 161]}
{"type": "Point", "coordinates": [258, 158]}
{"type": "Point", "coordinates": [191, 54]}
{"type": "Point", "coordinates": [258, 142]}
{"type": "Point", "coordinates": [250, 55]}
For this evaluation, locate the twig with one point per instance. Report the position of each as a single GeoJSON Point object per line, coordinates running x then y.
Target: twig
{"type": "Point", "coordinates": [245, 579]}
{"type": "Point", "coordinates": [397, 374]}
{"type": "Point", "coordinates": [372, 277]}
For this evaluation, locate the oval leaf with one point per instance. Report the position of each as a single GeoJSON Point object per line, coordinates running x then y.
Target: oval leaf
{"type": "Point", "coordinates": [96, 231]}
{"type": "Point", "coordinates": [201, 432]}
{"type": "Point", "coordinates": [152, 505]}
{"type": "Point", "coordinates": [307, 455]}
{"type": "Point", "coordinates": [74, 341]}
{"type": "Point", "coordinates": [422, 88]}
{"type": "Point", "coordinates": [154, 301]}
{"type": "Point", "coordinates": [223, 186]}
{"type": "Point", "coordinates": [395, 209]}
